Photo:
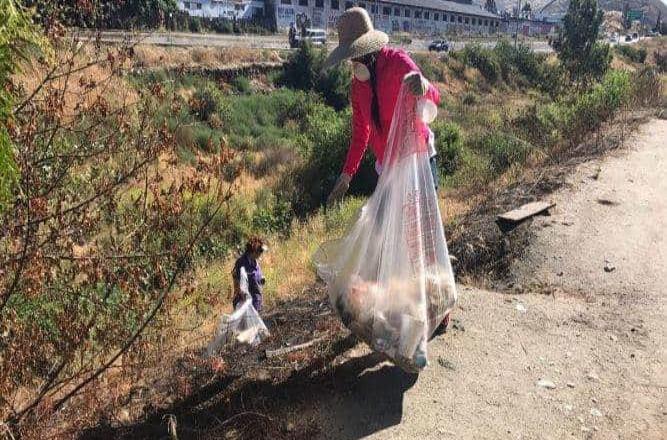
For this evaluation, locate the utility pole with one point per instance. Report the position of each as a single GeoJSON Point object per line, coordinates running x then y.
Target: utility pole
{"type": "Point", "coordinates": [518, 16]}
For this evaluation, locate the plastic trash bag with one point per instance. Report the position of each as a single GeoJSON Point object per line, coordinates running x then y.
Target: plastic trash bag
{"type": "Point", "coordinates": [243, 326]}
{"type": "Point", "coordinates": [390, 278]}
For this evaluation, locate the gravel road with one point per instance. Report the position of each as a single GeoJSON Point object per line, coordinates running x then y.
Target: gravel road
{"type": "Point", "coordinates": [251, 41]}
{"type": "Point", "coordinates": [580, 355]}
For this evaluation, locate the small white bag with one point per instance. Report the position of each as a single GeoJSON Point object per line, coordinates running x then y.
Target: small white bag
{"type": "Point", "coordinates": [243, 326]}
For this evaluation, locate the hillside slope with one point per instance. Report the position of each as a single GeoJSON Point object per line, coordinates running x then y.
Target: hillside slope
{"type": "Point", "coordinates": [652, 6]}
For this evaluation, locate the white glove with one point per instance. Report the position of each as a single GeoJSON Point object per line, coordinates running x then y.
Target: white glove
{"type": "Point", "coordinates": [339, 189]}
{"type": "Point", "coordinates": [361, 72]}
{"type": "Point", "coordinates": [417, 83]}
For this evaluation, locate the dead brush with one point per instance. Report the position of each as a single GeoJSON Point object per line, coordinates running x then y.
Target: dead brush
{"type": "Point", "coordinates": [94, 244]}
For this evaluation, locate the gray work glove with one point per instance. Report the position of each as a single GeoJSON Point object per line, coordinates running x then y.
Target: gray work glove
{"type": "Point", "coordinates": [417, 83]}
{"type": "Point", "coordinates": [339, 189]}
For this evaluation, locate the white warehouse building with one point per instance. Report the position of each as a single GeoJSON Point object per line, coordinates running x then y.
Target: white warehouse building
{"type": "Point", "coordinates": [229, 9]}
{"type": "Point", "coordinates": [426, 17]}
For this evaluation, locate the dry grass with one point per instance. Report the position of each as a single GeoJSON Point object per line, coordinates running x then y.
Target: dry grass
{"type": "Point", "coordinates": [92, 79]}
{"type": "Point", "coordinates": [150, 56]}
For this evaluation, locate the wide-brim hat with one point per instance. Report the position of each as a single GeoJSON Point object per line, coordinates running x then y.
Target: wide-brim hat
{"type": "Point", "coordinates": [356, 37]}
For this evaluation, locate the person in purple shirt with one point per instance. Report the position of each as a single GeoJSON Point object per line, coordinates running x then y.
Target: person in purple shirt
{"type": "Point", "coordinates": [249, 261]}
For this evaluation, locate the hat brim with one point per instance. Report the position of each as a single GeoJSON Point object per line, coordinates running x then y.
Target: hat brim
{"type": "Point", "coordinates": [370, 42]}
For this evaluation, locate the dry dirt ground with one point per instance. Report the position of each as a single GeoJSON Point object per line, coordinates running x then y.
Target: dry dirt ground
{"type": "Point", "coordinates": [574, 349]}
{"type": "Point", "coordinates": [578, 353]}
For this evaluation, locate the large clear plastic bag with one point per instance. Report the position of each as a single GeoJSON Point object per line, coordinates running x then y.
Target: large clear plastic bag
{"type": "Point", "coordinates": [390, 277]}
{"type": "Point", "coordinates": [243, 326]}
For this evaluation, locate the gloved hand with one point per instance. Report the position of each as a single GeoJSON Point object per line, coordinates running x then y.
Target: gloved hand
{"type": "Point", "coordinates": [417, 83]}
{"type": "Point", "coordinates": [339, 189]}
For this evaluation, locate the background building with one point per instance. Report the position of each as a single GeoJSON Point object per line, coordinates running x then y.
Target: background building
{"type": "Point", "coordinates": [423, 17]}
{"type": "Point", "coordinates": [230, 9]}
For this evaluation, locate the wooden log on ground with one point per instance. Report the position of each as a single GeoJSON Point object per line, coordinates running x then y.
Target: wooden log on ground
{"type": "Point", "coordinates": [282, 351]}
{"type": "Point", "coordinates": [526, 211]}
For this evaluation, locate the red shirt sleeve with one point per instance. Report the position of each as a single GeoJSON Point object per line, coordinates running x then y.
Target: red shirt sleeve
{"type": "Point", "coordinates": [406, 65]}
{"type": "Point", "coordinates": [361, 125]}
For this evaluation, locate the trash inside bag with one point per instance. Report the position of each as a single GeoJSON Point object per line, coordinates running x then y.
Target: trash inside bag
{"type": "Point", "coordinates": [243, 326]}
{"type": "Point", "coordinates": [390, 278]}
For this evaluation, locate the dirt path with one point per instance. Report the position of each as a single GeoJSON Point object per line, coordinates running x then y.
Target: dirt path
{"type": "Point", "coordinates": [597, 336]}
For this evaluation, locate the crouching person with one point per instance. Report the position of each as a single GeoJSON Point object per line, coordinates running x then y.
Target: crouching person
{"type": "Point", "coordinates": [249, 261]}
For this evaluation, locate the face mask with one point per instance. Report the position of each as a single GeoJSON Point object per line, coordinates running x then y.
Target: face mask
{"type": "Point", "coordinates": [361, 72]}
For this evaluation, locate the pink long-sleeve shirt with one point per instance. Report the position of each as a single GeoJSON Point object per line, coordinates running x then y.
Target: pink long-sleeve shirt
{"type": "Point", "coordinates": [391, 67]}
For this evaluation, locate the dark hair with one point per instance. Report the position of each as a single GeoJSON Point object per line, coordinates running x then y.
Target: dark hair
{"type": "Point", "coordinates": [254, 245]}
{"type": "Point", "coordinates": [370, 61]}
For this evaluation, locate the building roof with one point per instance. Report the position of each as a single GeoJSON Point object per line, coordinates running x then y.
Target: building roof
{"type": "Point", "coordinates": [441, 5]}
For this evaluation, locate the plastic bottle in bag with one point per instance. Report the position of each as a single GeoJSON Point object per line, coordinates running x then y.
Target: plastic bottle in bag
{"type": "Point", "coordinates": [390, 277]}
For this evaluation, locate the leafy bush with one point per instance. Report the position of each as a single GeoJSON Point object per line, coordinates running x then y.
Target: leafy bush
{"type": "Point", "coordinates": [483, 60]}
{"type": "Point", "coordinates": [207, 101]}
{"type": "Point", "coordinates": [242, 84]}
{"type": "Point", "coordinates": [303, 71]}
{"type": "Point", "coordinates": [325, 143]}
{"type": "Point", "coordinates": [647, 86]}
{"type": "Point", "coordinates": [576, 115]}
{"type": "Point", "coordinates": [259, 122]}
{"type": "Point", "coordinates": [503, 150]}
{"type": "Point", "coordinates": [637, 55]}
{"type": "Point", "coordinates": [449, 146]}
{"type": "Point", "coordinates": [273, 214]}
{"type": "Point", "coordinates": [660, 58]}
{"type": "Point", "coordinates": [518, 60]}
{"type": "Point", "coordinates": [469, 98]}
{"type": "Point", "coordinates": [582, 55]}
{"type": "Point", "coordinates": [552, 78]}
{"type": "Point", "coordinates": [18, 37]}
{"type": "Point", "coordinates": [432, 66]}
{"type": "Point", "coordinates": [195, 25]}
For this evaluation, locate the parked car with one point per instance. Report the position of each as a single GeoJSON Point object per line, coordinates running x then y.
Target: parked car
{"type": "Point", "coordinates": [316, 36]}
{"type": "Point", "coordinates": [438, 46]}
{"type": "Point", "coordinates": [628, 38]}
{"type": "Point", "coordinates": [635, 36]}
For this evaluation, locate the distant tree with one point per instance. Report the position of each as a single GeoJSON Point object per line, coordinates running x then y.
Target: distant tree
{"type": "Point", "coordinates": [658, 21]}
{"type": "Point", "coordinates": [105, 14]}
{"type": "Point", "coordinates": [626, 18]}
{"type": "Point", "coordinates": [491, 6]}
{"type": "Point", "coordinates": [526, 10]}
{"type": "Point", "coordinates": [578, 48]}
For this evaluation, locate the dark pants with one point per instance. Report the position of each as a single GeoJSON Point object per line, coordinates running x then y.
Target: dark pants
{"type": "Point", "coordinates": [434, 171]}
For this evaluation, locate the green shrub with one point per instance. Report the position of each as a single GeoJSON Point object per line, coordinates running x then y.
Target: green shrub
{"type": "Point", "coordinates": [469, 98]}
{"type": "Point", "coordinates": [518, 61]}
{"type": "Point", "coordinates": [584, 58]}
{"type": "Point", "coordinates": [431, 66]}
{"type": "Point", "coordinates": [334, 85]}
{"type": "Point", "coordinates": [637, 55]}
{"type": "Point", "coordinates": [242, 85]}
{"type": "Point", "coordinates": [195, 25]}
{"type": "Point", "coordinates": [647, 87]}
{"type": "Point", "coordinates": [266, 121]}
{"type": "Point", "coordinates": [303, 68]}
{"type": "Point", "coordinates": [552, 79]}
{"type": "Point", "coordinates": [448, 145]}
{"type": "Point", "coordinates": [660, 57]}
{"type": "Point", "coordinates": [325, 143]}
{"type": "Point", "coordinates": [273, 214]}
{"type": "Point", "coordinates": [207, 101]}
{"type": "Point", "coordinates": [303, 71]}
{"type": "Point", "coordinates": [503, 150]}
{"type": "Point", "coordinates": [483, 60]}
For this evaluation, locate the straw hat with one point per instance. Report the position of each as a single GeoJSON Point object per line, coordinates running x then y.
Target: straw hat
{"type": "Point", "coordinates": [356, 37]}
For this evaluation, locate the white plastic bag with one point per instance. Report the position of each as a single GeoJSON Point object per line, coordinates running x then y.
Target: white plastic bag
{"type": "Point", "coordinates": [389, 277]}
{"type": "Point", "coordinates": [243, 326]}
